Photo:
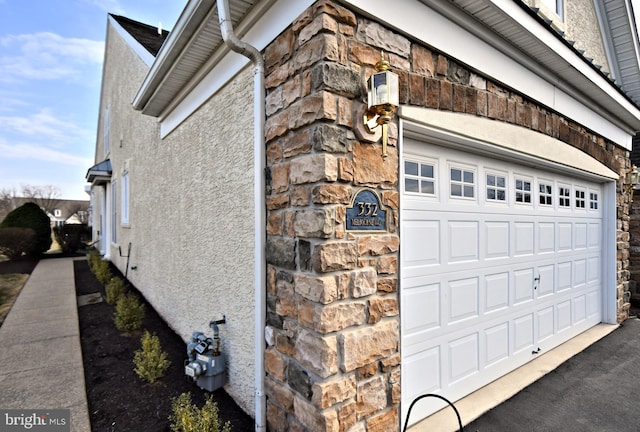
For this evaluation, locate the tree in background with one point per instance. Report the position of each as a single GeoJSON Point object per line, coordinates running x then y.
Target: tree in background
{"type": "Point", "coordinates": [47, 196]}
{"type": "Point", "coordinates": [30, 215]}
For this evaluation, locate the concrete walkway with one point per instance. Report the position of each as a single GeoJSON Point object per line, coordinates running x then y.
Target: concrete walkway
{"type": "Point", "coordinates": [40, 354]}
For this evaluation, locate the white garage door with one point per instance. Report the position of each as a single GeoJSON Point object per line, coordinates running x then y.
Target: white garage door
{"type": "Point", "coordinates": [500, 262]}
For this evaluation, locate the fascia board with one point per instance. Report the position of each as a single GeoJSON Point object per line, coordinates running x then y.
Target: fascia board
{"type": "Point", "coordinates": [421, 21]}
{"type": "Point", "coordinates": [176, 42]}
{"type": "Point", "coordinates": [224, 65]}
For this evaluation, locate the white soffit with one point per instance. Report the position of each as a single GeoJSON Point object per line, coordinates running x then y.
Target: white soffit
{"type": "Point", "coordinates": [507, 140]}
{"type": "Point", "coordinates": [223, 65]}
{"type": "Point", "coordinates": [519, 53]}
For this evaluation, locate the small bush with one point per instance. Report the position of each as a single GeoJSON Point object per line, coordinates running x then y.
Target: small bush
{"type": "Point", "coordinates": [72, 237]}
{"type": "Point", "coordinates": [129, 313]}
{"type": "Point", "coordinates": [151, 362]}
{"type": "Point", "coordinates": [92, 258]}
{"type": "Point", "coordinates": [187, 417]}
{"type": "Point", "coordinates": [114, 290]}
{"type": "Point", "coordinates": [29, 215]}
{"type": "Point", "coordinates": [15, 241]}
{"type": "Point", "coordinates": [102, 271]}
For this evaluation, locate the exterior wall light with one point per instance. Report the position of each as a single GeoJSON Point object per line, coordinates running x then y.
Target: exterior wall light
{"type": "Point", "coordinates": [382, 100]}
{"type": "Point", "coordinates": [630, 181]}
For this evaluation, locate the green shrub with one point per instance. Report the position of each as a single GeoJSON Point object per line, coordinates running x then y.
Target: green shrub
{"type": "Point", "coordinates": [29, 215]}
{"type": "Point", "coordinates": [72, 237]}
{"type": "Point", "coordinates": [102, 271]}
{"type": "Point", "coordinates": [114, 290]}
{"type": "Point", "coordinates": [92, 259]}
{"type": "Point", "coordinates": [187, 417]}
{"type": "Point", "coordinates": [15, 241]}
{"type": "Point", "coordinates": [129, 313]}
{"type": "Point", "coordinates": [151, 362]}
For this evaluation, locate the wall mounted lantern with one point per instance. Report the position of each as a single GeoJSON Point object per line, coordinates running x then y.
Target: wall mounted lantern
{"type": "Point", "coordinates": [630, 181]}
{"type": "Point", "coordinates": [382, 100]}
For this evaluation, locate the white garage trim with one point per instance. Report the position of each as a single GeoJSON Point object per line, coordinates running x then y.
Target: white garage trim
{"type": "Point", "coordinates": [509, 144]}
{"type": "Point", "coordinates": [511, 140]}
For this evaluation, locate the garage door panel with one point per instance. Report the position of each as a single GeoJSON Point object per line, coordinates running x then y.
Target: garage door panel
{"type": "Point", "coordinates": [545, 283]}
{"type": "Point", "coordinates": [580, 235]}
{"type": "Point", "coordinates": [463, 358]}
{"type": "Point", "coordinates": [422, 245]}
{"type": "Point", "coordinates": [545, 324]}
{"type": "Point", "coordinates": [463, 241]}
{"type": "Point", "coordinates": [524, 238]}
{"type": "Point", "coordinates": [488, 282]}
{"type": "Point", "coordinates": [546, 237]}
{"type": "Point", "coordinates": [496, 344]}
{"type": "Point", "coordinates": [523, 285]}
{"type": "Point", "coordinates": [522, 333]}
{"type": "Point", "coordinates": [462, 301]}
{"type": "Point", "coordinates": [497, 237]}
{"type": "Point", "coordinates": [422, 309]}
{"type": "Point", "coordinates": [496, 292]}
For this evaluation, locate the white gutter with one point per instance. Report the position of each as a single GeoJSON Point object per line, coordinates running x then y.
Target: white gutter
{"type": "Point", "coordinates": [259, 157]}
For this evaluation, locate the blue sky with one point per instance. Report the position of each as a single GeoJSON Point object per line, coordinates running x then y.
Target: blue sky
{"type": "Point", "coordinates": [51, 54]}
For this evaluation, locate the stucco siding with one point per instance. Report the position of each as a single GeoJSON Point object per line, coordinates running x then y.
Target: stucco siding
{"type": "Point", "coordinates": [191, 210]}
{"type": "Point", "coordinates": [192, 225]}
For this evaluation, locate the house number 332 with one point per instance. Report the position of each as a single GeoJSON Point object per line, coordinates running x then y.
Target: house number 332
{"type": "Point", "coordinates": [367, 209]}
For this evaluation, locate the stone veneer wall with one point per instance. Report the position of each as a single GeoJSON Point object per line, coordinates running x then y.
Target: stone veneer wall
{"type": "Point", "coordinates": [333, 360]}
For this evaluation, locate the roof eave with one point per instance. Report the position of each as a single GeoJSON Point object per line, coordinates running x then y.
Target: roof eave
{"type": "Point", "coordinates": [190, 19]}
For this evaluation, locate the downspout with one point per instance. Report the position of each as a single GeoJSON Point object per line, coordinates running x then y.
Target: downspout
{"type": "Point", "coordinates": [226, 28]}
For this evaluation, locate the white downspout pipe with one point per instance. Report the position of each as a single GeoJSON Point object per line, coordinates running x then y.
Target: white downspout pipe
{"type": "Point", "coordinates": [259, 157]}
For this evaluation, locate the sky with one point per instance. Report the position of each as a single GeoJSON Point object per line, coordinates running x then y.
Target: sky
{"type": "Point", "coordinates": [51, 54]}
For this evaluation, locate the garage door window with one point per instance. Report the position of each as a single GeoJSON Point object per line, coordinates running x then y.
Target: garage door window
{"type": "Point", "coordinates": [580, 199]}
{"type": "Point", "coordinates": [593, 201]}
{"type": "Point", "coordinates": [523, 191]}
{"type": "Point", "coordinates": [462, 183]}
{"type": "Point", "coordinates": [546, 194]}
{"type": "Point", "coordinates": [496, 187]}
{"type": "Point", "coordinates": [419, 177]}
{"type": "Point", "coordinates": [564, 196]}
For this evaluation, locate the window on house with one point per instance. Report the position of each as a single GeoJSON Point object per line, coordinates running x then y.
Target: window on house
{"type": "Point", "coordinates": [114, 212]}
{"type": "Point", "coordinates": [124, 197]}
{"type": "Point", "coordinates": [419, 177]}
{"type": "Point", "coordinates": [593, 201]}
{"type": "Point", "coordinates": [57, 213]}
{"type": "Point", "coordinates": [580, 199]}
{"type": "Point", "coordinates": [555, 6]}
{"type": "Point", "coordinates": [545, 193]}
{"type": "Point", "coordinates": [496, 187]}
{"type": "Point", "coordinates": [106, 131]}
{"type": "Point", "coordinates": [523, 190]}
{"type": "Point", "coordinates": [462, 183]}
{"type": "Point", "coordinates": [564, 196]}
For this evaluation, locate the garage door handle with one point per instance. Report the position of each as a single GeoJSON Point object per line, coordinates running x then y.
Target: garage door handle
{"type": "Point", "coordinates": [536, 282]}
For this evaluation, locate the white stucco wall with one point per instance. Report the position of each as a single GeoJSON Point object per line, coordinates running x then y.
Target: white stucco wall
{"type": "Point", "coordinates": [191, 211]}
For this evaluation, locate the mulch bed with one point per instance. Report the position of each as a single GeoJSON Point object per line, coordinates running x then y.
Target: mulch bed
{"type": "Point", "coordinates": [118, 399]}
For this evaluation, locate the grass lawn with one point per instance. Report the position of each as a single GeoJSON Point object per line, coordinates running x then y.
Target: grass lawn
{"type": "Point", "coordinates": [10, 286]}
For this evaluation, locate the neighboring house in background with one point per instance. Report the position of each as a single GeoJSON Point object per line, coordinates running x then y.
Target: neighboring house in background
{"type": "Point", "coordinates": [501, 210]}
{"type": "Point", "coordinates": [63, 211]}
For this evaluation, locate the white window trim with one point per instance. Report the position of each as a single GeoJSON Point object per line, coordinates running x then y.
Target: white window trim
{"type": "Point", "coordinates": [497, 174]}
{"type": "Point", "coordinates": [463, 168]}
{"type": "Point", "coordinates": [125, 197]}
{"type": "Point", "coordinates": [107, 133]}
{"type": "Point", "coordinates": [422, 161]}
{"type": "Point", "coordinates": [531, 191]}
{"type": "Point", "coordinates": [114, 212]}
